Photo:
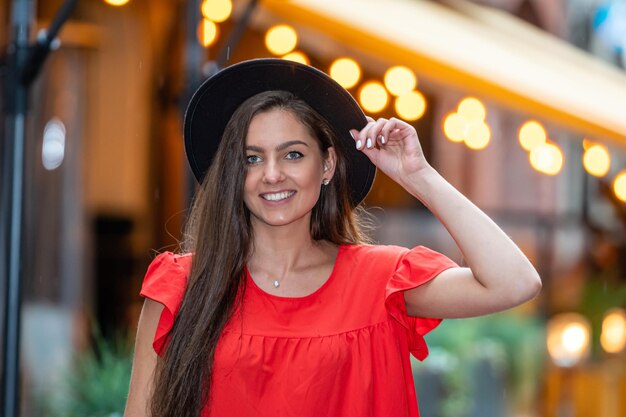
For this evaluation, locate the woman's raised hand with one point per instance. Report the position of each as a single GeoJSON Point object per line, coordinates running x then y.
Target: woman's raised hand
{"type": "Point", "coordinates": [499, 275]}
{"type": "Point", "coordinates": [393, 146]}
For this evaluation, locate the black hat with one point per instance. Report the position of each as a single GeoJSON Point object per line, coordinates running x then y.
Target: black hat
{"type": "Point", "coordinates": [215, 101]}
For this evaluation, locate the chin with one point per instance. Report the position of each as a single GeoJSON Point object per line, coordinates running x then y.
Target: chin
{"type": "Point", "coordinates": [279, 221]}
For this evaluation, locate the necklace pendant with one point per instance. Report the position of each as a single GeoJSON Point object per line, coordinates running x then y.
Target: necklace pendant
{"type": "Point", "coordinates": [276, 284]}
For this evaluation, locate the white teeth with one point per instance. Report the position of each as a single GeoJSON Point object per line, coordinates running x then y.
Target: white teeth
{"type": "Point", "coordinates": [278, 196]}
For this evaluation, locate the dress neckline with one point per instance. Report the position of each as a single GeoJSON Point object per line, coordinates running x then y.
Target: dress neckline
{"type": "Point", "coordinates": [331, 277]}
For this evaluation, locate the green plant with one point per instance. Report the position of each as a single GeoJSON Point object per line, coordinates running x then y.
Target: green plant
{"type": "Point", "coordinates": [512, 345]}
{"type": "Point", "coordinates": [98, 383]}
{"type": "Point", "coordinates": [602, 292]}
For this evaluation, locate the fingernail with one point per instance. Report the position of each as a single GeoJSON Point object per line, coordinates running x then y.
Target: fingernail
{"type": "Point", "coordinates": [382, 139]}
{"type": "Point", "coordinates": [359, 144]}
{"type": "Point", "coordinates": [368, 143]}
{"type": "Point", "coordinates": [351, 134]}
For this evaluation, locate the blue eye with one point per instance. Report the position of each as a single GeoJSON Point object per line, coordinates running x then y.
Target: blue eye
{"type": "Point", "coordinates": [294, 155]}
{"type": "Point", "coordinates": [253, 159]}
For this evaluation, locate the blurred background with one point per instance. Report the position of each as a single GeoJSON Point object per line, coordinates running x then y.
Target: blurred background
{"type": "Point", "coordinates": [520, 104]}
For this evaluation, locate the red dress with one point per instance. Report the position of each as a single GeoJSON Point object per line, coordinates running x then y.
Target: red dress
{"type": "Point", "coordinates": [340, 351]}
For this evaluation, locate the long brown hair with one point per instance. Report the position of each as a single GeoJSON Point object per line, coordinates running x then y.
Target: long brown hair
{"type": "Point", "coordinates": [220, 236]}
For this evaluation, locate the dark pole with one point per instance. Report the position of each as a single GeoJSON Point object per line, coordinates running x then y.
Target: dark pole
{"type": "Point", "coordinates": [24, 63]}
{"type": "Point", "coordinates": [22, 15]}
{"type": "Point", "coordinates": [235, 34]}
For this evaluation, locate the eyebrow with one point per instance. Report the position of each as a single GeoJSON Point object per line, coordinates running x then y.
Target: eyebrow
{"type": "Point", "coordinates": [280, 147]}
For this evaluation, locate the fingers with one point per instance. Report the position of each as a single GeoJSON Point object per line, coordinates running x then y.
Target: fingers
{"type": "Point", "coordinates": [376, 133]}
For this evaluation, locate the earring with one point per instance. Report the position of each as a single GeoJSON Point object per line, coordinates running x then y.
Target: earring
{"type": "Point", "coordinates": [325, 181]}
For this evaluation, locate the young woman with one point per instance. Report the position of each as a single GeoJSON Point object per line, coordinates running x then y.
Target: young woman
{"type": "Point", "coordinates": [278, 307]}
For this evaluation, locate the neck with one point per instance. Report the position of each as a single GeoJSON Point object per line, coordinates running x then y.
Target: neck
{"type": "Point", "coordinates": [285, 248]}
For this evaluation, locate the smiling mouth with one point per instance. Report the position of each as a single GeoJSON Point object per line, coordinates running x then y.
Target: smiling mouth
{"type": "Point", "coordinates": [277, 196]}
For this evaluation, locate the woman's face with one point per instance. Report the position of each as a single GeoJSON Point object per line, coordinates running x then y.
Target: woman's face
{"type": "Point", "coordinates": [285, 169]}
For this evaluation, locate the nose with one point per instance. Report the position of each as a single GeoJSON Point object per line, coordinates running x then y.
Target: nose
{"type": "Point", "coordinates": [272, 173]}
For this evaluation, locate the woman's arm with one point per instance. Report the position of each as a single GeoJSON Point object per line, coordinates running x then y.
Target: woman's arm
{"type": "Point", "coordinates": [499, 274]}
{"type": "Point", "coordinates": [144, 361]}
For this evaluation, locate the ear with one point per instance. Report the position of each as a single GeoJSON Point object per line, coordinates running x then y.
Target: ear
{"type": "Point", "coordinates": [330, 162]}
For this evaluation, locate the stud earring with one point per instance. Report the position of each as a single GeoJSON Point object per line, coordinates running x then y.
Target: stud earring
{"type": "Point", "coordinates": [325, 181]}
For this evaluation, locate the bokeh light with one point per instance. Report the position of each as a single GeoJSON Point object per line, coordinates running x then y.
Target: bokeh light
{"type": "Point", "coordinates": [346, 72]}
{"type": "Point", "coordinates": [477, 135]}
{"type": "Point", "coordinates": [116, 2]}
{"type": "Point", "coordinates": [53, 144]}
{"type": "Point", "coordinates": [619, 186]}
{"type": "Point", "coordinates": [568, 339]}
{"type": "Point", "coordinates": [410, 106]}
{"type": "Point", "coordinates": [613, 337]}
{"type": "Point", "coordinates": [546, 158]}
{"type": "Point", "coordinates": [472, 109]}
{"type": "Point", "coordinates": [373, 96]}
{"type": "Point", "coordinates": [297, 56]}
{"type": "Point", "coordinates": [216, 10]}
{"type": "Point", "coordinates": [207, 32]}
{"type": "Point", "coordinates": [454, 127]}
{"type": "Point", "coordinates": [597, 160]}
{"type": "Point", "coordinates": [281, 39]}
{"type": "Point", "coordinates": [400, 80]}
{"type": "Point", "coordinates": [532, 134]}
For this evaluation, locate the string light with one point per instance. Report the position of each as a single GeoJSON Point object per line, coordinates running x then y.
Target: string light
{"type": "Point", "coordinates": [613, 337]}
{"type": "Point", "coordinates": [400, 80]}
{"type": "Point", "coordinates": [454, 127]}
{"type": "Point", "coordinates": [477, 135]}
{"type": "Point", "coordinates": [297, 56]}
{"type": "Point", "coordinates": [546, 158]}
{"type": "Point", "coordinates": [216, 10]}
{"type": "Point", "coordinates": [597, 160]}
{"type": "Point", "coordinates": [346, 72]}
{"type": "Point", "coordinates": [207, 32]}
{"type": "Point", "coordinates": [411, 106]}
{"type": "Point", "coordinates": [532, 134]}
{"type": "Point", "coordinates": [568, 338]}
{"type": "Point", "coordinates": [619, 186]}
{"type": "Point", "coordinates": [116, 3]}
{"type": "Point", "coordinates": [472, 109]}
{"type": "Point", "coordinates": [281, 39]}
{"type": "Point", "coordinates": [373, 96]}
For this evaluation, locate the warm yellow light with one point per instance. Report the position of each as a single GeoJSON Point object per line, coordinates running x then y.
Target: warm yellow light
{"type": "Point", "coordinates": [411, 106]}
{"type": "Point", "coordinates": [217, 10]}
{"type": "Point", "coordinates": [281, 39]}
{"type": "Point", "coordinates": [454, 127]}
{"type": "Point", "coordinates": [346, 72]}
{"type": "Point", "coordinates": [546, 158]}
{"type": "Point", "coordinates": [207, 32]}
{"type": "Point", "coordinates": [568, 339]}
{"type": "Point", "coordinates": [400, 80]}
{"type": "Point", "coordinates": [613, 337]}
{"type": "Point", "coordinates": [116, 2]}
{"type": "Point", "coordinates": [472, 109]}
{"type": "Point", "coordinates": [477, 135]}
{"type": "Point", "coordinates": [597, 160]}
{"type": "Point", "coordinates": [619, 186]}
{"type": "Point", "coordinates": [532, 134]}
{"type": "Point", "coordinates": [373, 96]}
{"type": "Point", "coordinates": [297, 56]}
{"type": "Point", "coordinates": [574, 337]}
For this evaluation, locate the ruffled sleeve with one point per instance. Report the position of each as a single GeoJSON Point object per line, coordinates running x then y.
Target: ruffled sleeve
{"type": "Point", "coordinates": [165, 283]}
{"type": "Point", "coordinates": [416, 267]}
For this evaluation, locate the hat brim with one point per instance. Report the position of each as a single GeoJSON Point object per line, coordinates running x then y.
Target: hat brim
{"type": "Point", "coordinates": [215, 101]}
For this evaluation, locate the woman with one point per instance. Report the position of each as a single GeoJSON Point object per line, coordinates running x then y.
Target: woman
{"type": "Point", "coordinates": [282, 309]}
